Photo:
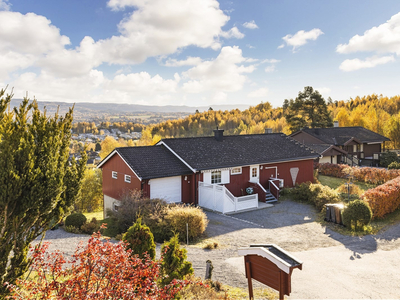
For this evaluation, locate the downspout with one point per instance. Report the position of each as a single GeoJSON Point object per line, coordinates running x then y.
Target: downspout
{"type": "Point", "coordinates": [195, 190]}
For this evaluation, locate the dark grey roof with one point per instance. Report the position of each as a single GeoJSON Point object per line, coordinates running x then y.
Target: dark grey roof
{"type": "Point", "coordinates": [205, 153]}
{"type": "Point", "coordinates": [321, 148]}
{"type": "Point", "coordinates": [153, 161]}
{"type": "Point", "coordinates": [340, 135]}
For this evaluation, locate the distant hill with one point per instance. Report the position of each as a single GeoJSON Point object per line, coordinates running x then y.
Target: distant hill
{"type": "Point", "coordinates": [86, 107]}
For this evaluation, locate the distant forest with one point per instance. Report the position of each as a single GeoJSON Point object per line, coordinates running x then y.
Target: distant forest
{"type": "Point", "coordinates": [377, 113]}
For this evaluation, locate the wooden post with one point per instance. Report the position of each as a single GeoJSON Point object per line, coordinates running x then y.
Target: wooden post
{"type": "Point", "coordinates": [281, 286]}
{"type": "Point", "coordinates": [249, 282]}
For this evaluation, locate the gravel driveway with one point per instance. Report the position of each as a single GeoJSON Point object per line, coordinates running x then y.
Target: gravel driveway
{"type": "Point", "coordinates": [334, 266]}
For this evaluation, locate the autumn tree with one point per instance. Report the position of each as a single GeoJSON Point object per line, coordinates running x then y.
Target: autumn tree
{"type": "Point", "coordinates": [99, 270]}
{"type": "Point", "coordinates": [308, 109]}
{"type": "Point", "coordinates": [91, 196]}
{"type": "Point", "coordinates": [107, 146]}
{"type": "Point", "coordinates": [38, 183]}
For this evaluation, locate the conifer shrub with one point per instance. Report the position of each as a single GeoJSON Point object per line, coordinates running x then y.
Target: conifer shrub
{"type": "Point", "coordinates": [174, 264]}
{"type": "Point", "coordinates": [140, 240]}
{"type": "Point", "coordinates": [76, 220]}
{"type": "Point", "coordinates": [387, 158]}
{"type": "Point", "coordinates": [178, 216]}
{"type": "Point", "coordinates": [356, 215]}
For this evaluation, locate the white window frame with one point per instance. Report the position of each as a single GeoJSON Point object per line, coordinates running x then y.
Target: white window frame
{"type": "Point", "coordinates": [215, 177]}
{"type": "Point", "coordinates": [236, 171]}
{"type": "Point", "coordinates": [127, 178]}
{"type": "Point", "coordinates": [115, 206]}
{"type": "Point", "coordinates": [114, 174]}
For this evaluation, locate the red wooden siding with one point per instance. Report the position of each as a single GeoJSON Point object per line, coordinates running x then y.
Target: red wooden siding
{"type": "Point", "coordinates": [116, 187]}
{"type": "Point", "coordinates": [369, 150]}
{"type": "Point", "coordinates": [306, 171]}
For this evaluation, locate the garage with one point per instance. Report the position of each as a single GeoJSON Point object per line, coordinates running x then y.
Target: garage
{"type": "Point", "coordinates": [168, 188]}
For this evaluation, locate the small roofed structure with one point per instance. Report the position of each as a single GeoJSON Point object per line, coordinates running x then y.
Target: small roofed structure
{"type": "Point", "coordinates": [270, 265]}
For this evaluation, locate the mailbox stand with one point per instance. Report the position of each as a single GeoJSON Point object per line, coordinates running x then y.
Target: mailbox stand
{"type": "Point", "coordinates": [270, 265]}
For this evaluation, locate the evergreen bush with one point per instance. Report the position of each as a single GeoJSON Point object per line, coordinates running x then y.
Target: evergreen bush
{"type": "Point", "coordinates": [91, 227]}
{"type": "Point", "coordinates": [76, 220]}
{"type": "Point", "coordinates": [174, 264]}
{"type": "Point", "coordinates": [140, 240]}
{"type": "Point", "coordinates": [387, 158]}
{"type": "Point", "coordinates": [394, 165]}
{"type": "Point", "coordinates": [357, 215]}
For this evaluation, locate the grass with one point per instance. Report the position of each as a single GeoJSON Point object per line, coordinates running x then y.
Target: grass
{"type": "Point", "coordinates": [334, 182]}
{"type": "Point", "coordinates": [98, 215]}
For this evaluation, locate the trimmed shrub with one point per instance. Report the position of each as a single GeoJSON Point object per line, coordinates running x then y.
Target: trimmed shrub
{"type": "Point", "coordinates": [356, 215]}
{"type": "Point", "coordinates": [140, 240]}
{"type": "Point", "coordinates": [383, 199]}
{"type": "Point", "coordinates": [91, 227]}
{"type": "Point", "coordinates": [322, 194]}
{"type": "Point", "coordinates": [315, 193]}
{"type": "Point", "coordinates": [76, 220]}
{"type": "Point", "coordinates": [301, 192]}
{"type": "Point", "coordinates": [178, 216]}
{"type": "Point", "coordinates": [394, 166]}
{"type": "Point", "coordinates": [174, 264]}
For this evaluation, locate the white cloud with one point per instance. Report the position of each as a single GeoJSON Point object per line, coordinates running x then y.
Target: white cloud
{"type": "Point", "coordinates": [272, 66]}
{"type": "Point", "coordinates": [142, 84]}
{"type": "Point", "coordinates": [219, 97]}
{"type": "Point", "coordinates": [262, 92]}
{"type": "Point", "coordinates": [301, 37]}
{"type": "Point", "coordinates": [5, 5]}
{"type": "Point", "coordinates": [189, 61]}
{"type": "Point", "coordinates": [250, 25]}
{"type": "Point", "coordinates": [162, 27]}
{"type": "Point", "coordinates": [382, 39]}
{"type": "Point", "coordinates": [370, 62]}
{"type": "Point", "coordinates": [222, 74]}
{"type": "Point", "coordinates": [232, 33]}
{"type": "Point", "coordinates": [269, 69]}
{"type": "Point", "coordinates": [250, 46]}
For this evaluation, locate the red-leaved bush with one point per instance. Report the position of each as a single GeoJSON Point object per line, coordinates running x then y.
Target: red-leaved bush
{"type": "Point", "coordinates": [99, 270]}
{"type": "Point", "coordinates": [362, 174]}
{"type": "Point", "coordinates": [383, 199]}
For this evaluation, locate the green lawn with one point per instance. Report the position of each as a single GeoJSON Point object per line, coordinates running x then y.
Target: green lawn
{"type": "Point", "coordinates": [334, 182]}
{"type": "Point", "coordinates": [98, 215]}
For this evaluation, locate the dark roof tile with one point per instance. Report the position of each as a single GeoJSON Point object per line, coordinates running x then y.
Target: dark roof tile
{"type": "Point", "coordinates": [204, 153]}
{"type": "Point", "coordinates": [153, 161]}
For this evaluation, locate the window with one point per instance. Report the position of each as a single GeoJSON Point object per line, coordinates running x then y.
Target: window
{"type": "Point", "coordinates": [254, 172]}
{"type": "Point", "coordinates": [127, 178]}
{"type": "Point", "coordinates": [114, 175]}
{"type": "Point", "coordinates": [216, 177]}
{"type": "Point", "coordinates": [237, 170]}
{"type": "Point", "coordinates": [115, 206]}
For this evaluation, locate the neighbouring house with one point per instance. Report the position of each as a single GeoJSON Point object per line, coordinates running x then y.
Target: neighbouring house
{"type": "Point", "coordinates": [222, 173]}
{"type": "Point", "coordinates": [348, 145]}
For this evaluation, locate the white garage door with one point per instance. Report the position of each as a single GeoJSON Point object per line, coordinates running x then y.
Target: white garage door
{"type": "Point", "coordinates": [168, 188]}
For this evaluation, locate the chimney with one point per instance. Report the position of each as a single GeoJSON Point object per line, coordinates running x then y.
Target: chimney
{"type": "Point", "coordinates": [335, 123]}
{"type": "Point", "coordinates": [268, 130]}
{"type": "Point", "coordinates": [218, 134]}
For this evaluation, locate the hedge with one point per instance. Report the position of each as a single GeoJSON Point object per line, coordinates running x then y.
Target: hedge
{"type": "Point", "coordinates": [363, 174]}
{"type": "Point", "coordinates": [383, 199]}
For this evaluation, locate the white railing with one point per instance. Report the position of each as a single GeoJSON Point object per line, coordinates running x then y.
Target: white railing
{"type": "Point", "coordinates": [219, 198]}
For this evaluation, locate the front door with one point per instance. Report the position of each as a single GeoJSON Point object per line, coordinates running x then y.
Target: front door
{"type": "Point", "coordinates": [254, 174]}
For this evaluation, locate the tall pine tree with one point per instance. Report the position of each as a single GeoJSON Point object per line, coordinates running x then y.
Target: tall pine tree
{"type": "Point", "coordinates": [38, 183]}
{"type": "Point", "coordinates": [308, 109]}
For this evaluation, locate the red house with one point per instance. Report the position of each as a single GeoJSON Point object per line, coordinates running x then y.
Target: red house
{"type": "Point", "coordinates": [223, 173]}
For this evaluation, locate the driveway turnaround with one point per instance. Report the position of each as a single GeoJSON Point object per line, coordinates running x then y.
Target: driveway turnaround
{"type": "Point", "coordinates": [334, 266]}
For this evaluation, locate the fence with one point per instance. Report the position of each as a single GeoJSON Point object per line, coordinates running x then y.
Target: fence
{"type": "Point", "coordinates": [219, 198]}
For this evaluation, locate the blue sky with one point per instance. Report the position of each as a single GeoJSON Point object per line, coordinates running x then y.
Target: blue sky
{"type": "Point", "coordinates": [198, 52]}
